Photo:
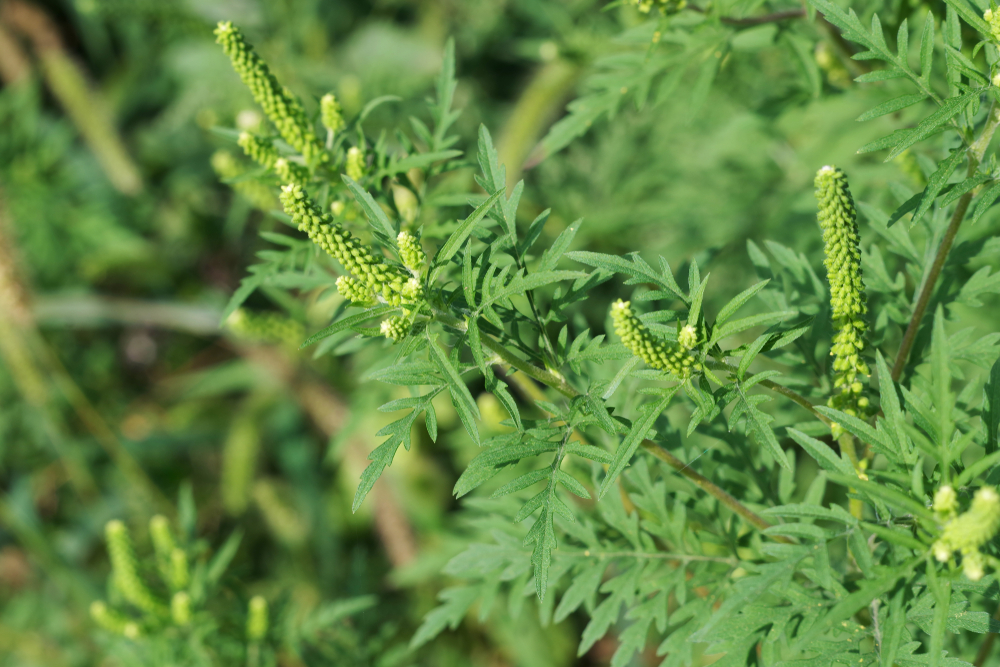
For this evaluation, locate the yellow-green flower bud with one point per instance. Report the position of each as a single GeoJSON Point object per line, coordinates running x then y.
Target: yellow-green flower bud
{"type": "Point", "coordinates": [112, 621]}
{"type": "Point", "coordinates": [125, 570]}
{"type": "Point", "coordinates": [369, 270]}
{"type": "Point", "coordinates": [406, 203]}
{"type": "Point", "coordinates": [337, 208]}
{"type": "Point", "coordinates": [162, 538]}
{"type": "Point", "coordinates": [410, 252]}
{"type": "Point", "coordinates": [993, 19]}
{"type": "Point", "coordinates": [848, 301]}
{"type": "Point", "coordinates": [687, 337]}
{"type": "Point", "coordinates": [290, 172]}
{"type": "Point", "coordinates": [266, 328]}
{"type": "Point", "coordinates": [259, 150]}
{"type": "Point", "coordinates": [179, 577]}
{"type": "Point", "coordinates": [642, 343]}
{"type": "Point", "coordinates": [355, 292]}
{"type": "Point", "coordinates": [279, 105]}
{"type": "Point", "coordinates": [946, 502]}
{"type": "Point", "coordinates": [355, 163]}
{"type": "Point", "coordinates": [970, 531]}
{"type": "Point", "coordinates": [180, 608]}
{"type": "Point", "coordinates": [257, 619]}
{"type": "Point", "coordinates": [329, 113]}
{"type": "Point", "coordinates": [395, 328]}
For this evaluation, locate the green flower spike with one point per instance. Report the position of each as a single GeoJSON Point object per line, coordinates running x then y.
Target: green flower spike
{"type": "Point", "coordinates": [329, 113]}
{"type": "Point", "coordinates": [179, 576]}
{"type": "Point", "coordinates": [410, 252]}
{"type": "Point", "coordinates": [655, 352]}
{"type": "Point", "coordinates": [848, 301]}
{"type": "Point", "coordinates": [265, 328]}
{"type": "Point", "coordinates": [355, 163]}
{"type": "Point", "coordinates": [970, 531]}
{"type": "Point", "coordinates": [290, 172]}
{"type": "Point", "coordinates": [355, 292]}
{"type": "Point", "coordinates": [370, 271]}
{"type": "Point", "coordinates": [164, 546]}
{"type": "Point", "coordinates": [257, 619]}
{"type": "Point", "coordinates": [395, 328]}
{"type": "Point", "coordinates": [259, 150]}
{"type": "Point", "coordinates": [112, 621]}
{"type": "Point", "coordinates": [125, 570]}
{"type": "Point", "coordinates": [284, 109]}
{"type": "Point", "coordinates": [180, 608]}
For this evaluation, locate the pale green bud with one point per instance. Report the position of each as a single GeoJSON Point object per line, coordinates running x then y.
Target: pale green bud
{"type": "Point", "coordinates": [228, 168]}
{"type": "Point", "coordinates": [946, 501]}
{"type": "Point", "coordinates": [848, 301]}
{"type": "Point", "coordinates": [179, 577]}
{"type": "Point", "coordinates": [180, 608]}
{"type": "Point", "coordinates": [395, 328]}
{"type": "Point", "coordinates": [124, 570]}
{"type": "Point", "coordinates": [410, 252]}
{"type": "Point", "coordinates": [290, 172]}
{"type": "Point", "coordinates": [687, 337]}
{"type": "Point", "coordinates": [970, 531]}
{"type": "Point", "coordinates": [259, 150]}
{"type": "Point", "coordinates": [279, 105]}
{"type": "Point", "coordinates": [642, 343]}
{"type": "Point", "coordinates": [406, 203]}
{"type": "Point", "coordinates": [257, 619]}
{"type": "Point", "coordinates": [265, 328]}
{"type": "Point", "coordinates": [355, 292]}
{"type": "Point", "coordinates": [329, 113]}
{"type": "Point", "coordinates": [355, 167]}
{"type": "Point", "coordinates": [993, 19]}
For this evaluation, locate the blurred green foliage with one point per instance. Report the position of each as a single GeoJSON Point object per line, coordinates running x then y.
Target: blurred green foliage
{"type": "Point", "coordinates": [124, 247]}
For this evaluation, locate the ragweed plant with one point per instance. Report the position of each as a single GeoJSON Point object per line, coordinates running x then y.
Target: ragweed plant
{"type": "Point", "coordinates": [619, 515]}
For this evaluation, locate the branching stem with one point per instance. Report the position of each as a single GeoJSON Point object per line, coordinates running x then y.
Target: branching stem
{"type": "Point", "coordinates": [975, 153]}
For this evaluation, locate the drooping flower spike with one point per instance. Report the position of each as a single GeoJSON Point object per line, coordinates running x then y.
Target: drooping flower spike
{"type": "Point", "coordinates": [676, 359]}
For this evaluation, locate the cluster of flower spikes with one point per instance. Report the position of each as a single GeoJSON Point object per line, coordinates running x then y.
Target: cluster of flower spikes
{"type": "Point", "coordinates": [172, 563]}
{"type": "Point", "coordinates": [266, 327]}
{"type": "Point", "coordinates": [657, 353]}
{"type": "Point", "coordinates": [372, 278]}
{"type": "Point", "coordinates": [279, 104]}
{"type": "Point", "coordinates": [848, 302]}
{"type": "Point", "coordinates": [966, 533]}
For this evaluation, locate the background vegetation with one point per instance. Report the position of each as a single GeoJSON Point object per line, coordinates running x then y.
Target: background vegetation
{"type": "Point", "coordinates": [127, 222]}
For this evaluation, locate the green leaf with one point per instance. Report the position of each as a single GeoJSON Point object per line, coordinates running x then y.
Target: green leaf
{"type": "Point", "coordinates": [892, 106]}
{"type": "Point", "coordinates": [224, 556]}
{"type": "Point", "coordinates": [455, 604]}
{"type": "Point", "coordinates": [349, 322]}
{"type": "Point", "coordinates": [889, 496]}
{"type": "Point", "coordinates": [825, 456]}
{"type": "Point", "coordinates": [633, 266]}
{"type": "Point", "coordinates": [376, 216]}
{"type": "Point", "coordinates": [936, 182]}
{"type": "Point", "coordinates": [991, 408]}
{"type": "Point", "coordinates": [458, 237]}
{"type": "Point", "coordinates": [737, 326]}
{"type": "Point", "coordinates": [970, 15]}
{"type": "Point", "coordinates": [737, 302]}
{"type": "Point", "coordinates": [640, 427]}
{"type": "Point", "coordinates": [928, 126]}
{"type": "Point", "coordinates": [985, 201]}
{"type": "Point", "coordinates": [552, 255]}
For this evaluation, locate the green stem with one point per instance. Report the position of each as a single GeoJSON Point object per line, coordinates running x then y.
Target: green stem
{"type": "Point", "coordinates": [975, 153]}
{"type": "Point", "coordinates": [776, 388]}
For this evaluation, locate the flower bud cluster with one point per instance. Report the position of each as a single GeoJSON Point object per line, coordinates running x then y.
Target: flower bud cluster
{"type": "Point", "coordinates": [259, 150]}
{"type": "Point", "coordinates": [410, 252]}
{"type": "Point", "coordinates": [278, 103]}
{"type": "Point", "coordinates": [125, 570]}
{"type": "Point", "coordinates": [675, 359]}
{"type": "Point", "coordinates": [228, 167]}
{"type": "Point", "coordinates": [266, 328]}
{"type": "Point", "coordinates": [848, 302]}
{"type": "Point", "coordinates": [171, 560]}
{"type": "Point", "coordinates": [290, 172]}
{"type": "Point", "coordinates": [969, 531]}
{"type": "Point", "coordinates": [371, 276]}
{"type": "Point", "coordinates": [355, 167]}
{"type": "Point", "coordinates": [395, 328]}
{"type": "Point", "coordinates": [993, 19]}
{"type": "Point", "coordinates": [112, 621]}
{"type": "Point", "coordinates": [329, 113]}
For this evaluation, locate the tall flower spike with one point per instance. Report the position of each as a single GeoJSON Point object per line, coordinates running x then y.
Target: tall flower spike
{"type": "Point", "coordinates": [125, 571]}
{"type": "Point", "coordinates": [259, 150]}
{"type": "Point", "coordinates": [284, 109]}
{"type": "Point", "coordinates": [848, 302]}
{"type": "Point", "coordinates": [180, 608]}
{"type": "Point", "coordinates": [643, 344]}
{"type": "Point", "coordinates": [369, 270]}
{"type": "Point", "coordinates": [112, 621]}
{"type": "Point", "coordinates": [355, 163]}
{"type": "Point", "coordinates": [329, 113]}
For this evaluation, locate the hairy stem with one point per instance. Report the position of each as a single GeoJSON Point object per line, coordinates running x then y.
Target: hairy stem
{"type": "Point", "coordinates": [975, 153]}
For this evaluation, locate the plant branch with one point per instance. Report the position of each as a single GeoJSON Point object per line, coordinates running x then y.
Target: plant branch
{"type": "Point", "coordinates": [793, 396]}
{"type": "Point", "coordinates": [757, 20]}
{"type": "Point", "coordinates": [975, 153]}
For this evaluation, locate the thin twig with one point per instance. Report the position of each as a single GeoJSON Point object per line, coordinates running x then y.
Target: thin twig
{"type": "Point", "coordinates": [757, 20]}
{"type": "Point", "coordinates": [975, 153]}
